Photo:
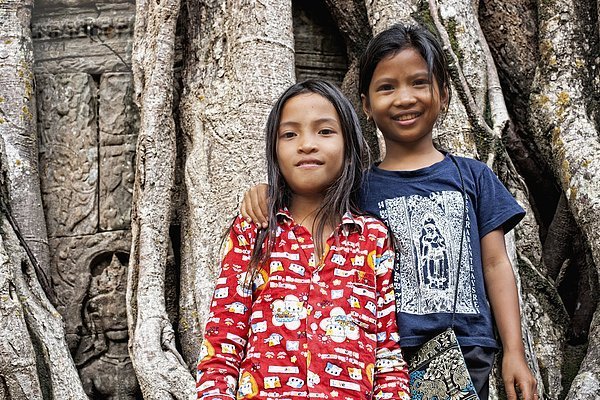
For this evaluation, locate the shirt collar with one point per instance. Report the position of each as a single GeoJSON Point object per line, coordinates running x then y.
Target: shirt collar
{"type": "Point", "coordinates": [349, 221]}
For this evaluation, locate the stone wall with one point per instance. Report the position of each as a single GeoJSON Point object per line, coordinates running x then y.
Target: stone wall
{"type": "Point", "coordinates": [87, 131]}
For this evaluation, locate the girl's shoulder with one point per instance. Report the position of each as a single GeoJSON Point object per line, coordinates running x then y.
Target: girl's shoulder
{"type": "Point", "coordinates": [470, 163]}
{"type": "Point", "coordinates": [478, 170]}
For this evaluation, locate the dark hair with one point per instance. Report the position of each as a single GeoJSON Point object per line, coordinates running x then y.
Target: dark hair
{"type": "Point", "coordinates": [341, 196]}
{"type": "Point", "coordinates": [400, 37]}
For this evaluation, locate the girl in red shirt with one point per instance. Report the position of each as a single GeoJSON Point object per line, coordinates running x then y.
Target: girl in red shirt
{"type": "Point", "coordinates": [305, 308]}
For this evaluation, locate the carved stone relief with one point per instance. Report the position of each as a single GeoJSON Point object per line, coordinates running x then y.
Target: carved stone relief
{"type": "Point", "coordinates": [90, 275]}
{"type": "Point", "coordinates": [118, 133]}
{"type": "Point", "coordinates": [68, 153]}
{"type": "Point", "coordinates": [92, 38]}
{"type": "Point", "coordinates": [319, 47]}
{"type": "Point", "coordinates": [87, 129]}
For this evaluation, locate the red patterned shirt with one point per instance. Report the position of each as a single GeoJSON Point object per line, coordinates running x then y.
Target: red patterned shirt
{"type": "Point", "coordinates": [305, 330]}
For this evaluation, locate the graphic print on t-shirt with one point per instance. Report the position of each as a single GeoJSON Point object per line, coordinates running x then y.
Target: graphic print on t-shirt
{"type": "Point", "coordinates": [428, 232]}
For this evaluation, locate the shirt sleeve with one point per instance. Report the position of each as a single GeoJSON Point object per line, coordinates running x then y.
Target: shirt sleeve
{"type": "Point", "coordinates": [227, 328]}
{"type": "Point", "coordinates": [497, 208]}
{"type": "Point", "coordinates": [391, 371]}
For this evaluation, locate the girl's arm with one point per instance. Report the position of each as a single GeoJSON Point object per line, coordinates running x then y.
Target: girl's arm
{"type": "Point", "coordinates": [502, 293]}
{"type": "Point", "coordinates": [227, 328]}
{"type": "Point", "coordinates": [391, 371]}
{"type": "Point", "coordinates": [254, 205]}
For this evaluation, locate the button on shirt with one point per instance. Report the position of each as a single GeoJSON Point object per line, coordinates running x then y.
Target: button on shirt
{"type": "Point", "coordinates": [305, 329]}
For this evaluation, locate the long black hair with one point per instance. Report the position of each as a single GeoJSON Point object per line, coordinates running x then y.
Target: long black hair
{"type": "Point", "coordinates": [399, 37]}
{"type": "Point", "coordinates": [341, 196]}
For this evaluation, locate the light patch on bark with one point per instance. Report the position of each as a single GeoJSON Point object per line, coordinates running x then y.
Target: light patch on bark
{"type": "Point", "coordinates": [384, 13]}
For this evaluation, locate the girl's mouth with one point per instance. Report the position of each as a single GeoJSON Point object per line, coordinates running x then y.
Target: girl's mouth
{"type": "Point", "coordinates": [309, 163]}
{"type": "Point", "coordinates": [406, 117]}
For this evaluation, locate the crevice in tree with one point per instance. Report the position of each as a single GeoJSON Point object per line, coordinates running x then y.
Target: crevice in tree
{"type": "Point", "coordinates": [516, 78]}
{"type": "Point", "coordinates": [319, 46]}
{"type": "Point", "coordinates": [172, 279]}
{"type": "Point", "coordinates": [42, 368]}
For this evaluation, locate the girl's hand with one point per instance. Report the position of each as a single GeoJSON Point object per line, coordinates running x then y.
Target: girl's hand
{"type": "Point", "coordinates": [254, 205]}
{"type": "Point", "coordinates": [519, 382]}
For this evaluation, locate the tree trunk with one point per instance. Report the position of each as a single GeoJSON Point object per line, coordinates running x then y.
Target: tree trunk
{"type": "Point", "coordinates": [160, 370]}
{"type": "Point", "coordinates": [240, 59]}
{"type": "Point", "coordinates": [238, 56]}
{"type": "Point", "coordinates": [19, 130]}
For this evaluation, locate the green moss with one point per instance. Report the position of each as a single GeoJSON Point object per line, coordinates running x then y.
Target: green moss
{"type": "Point", "coordinates": [547, 52]}
{"type": "Point", "coordinates": [423, 17]}
{"type": "Point", "coordinates": [541, 100]}
{"type": "Point", "coordinates": [452, 28]}
{"type": "Point", "coordinates": [26, 113]}
{"type": "Point", "coordinates": [562, 101]}
{"type": "Point", "coordinates": [484, 143]}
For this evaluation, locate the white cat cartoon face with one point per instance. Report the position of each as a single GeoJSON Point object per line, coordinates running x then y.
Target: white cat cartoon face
{"type": "Point", "coordinates": [313, 379]}
{"type": "Point", "coordinates": [339, 326]}
{"type": "Point", "coordinates": [288, 312]}
{"type": "Point", "coordinates": [355, 373]}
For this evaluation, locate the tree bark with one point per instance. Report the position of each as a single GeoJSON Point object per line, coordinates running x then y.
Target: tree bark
{"type": "Point", "coordinates": [567, 134]}
{"type": "Point", "coordinates": [19, 130]}
{"type": "Point", "coordinates": [160, 370]}
{"type": "Point", "coordinates": [240, 59]}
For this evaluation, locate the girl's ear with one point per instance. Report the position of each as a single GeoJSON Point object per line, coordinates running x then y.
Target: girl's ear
{"type": "Point", "coordinates": [365, 106]}
{"type": "Point", "coordinates": [444, 99]}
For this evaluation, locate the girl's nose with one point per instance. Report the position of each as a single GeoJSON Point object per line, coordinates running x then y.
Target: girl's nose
{"type": "Point", "coordinates": [307, 144]}
{"type": "Point", "coordinates": [404, 96]}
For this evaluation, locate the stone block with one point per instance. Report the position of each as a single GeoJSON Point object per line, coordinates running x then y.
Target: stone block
{"type": "Point", "coordinates": [118, 126]}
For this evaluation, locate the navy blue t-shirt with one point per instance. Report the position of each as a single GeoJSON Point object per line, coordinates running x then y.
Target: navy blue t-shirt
{"type": "Point", "coordinates": [424, 209]}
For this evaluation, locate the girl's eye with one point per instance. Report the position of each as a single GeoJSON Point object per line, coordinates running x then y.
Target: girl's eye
{"type": "Point", "coordinates": [326, 131]}
{"type": "Point", "coordinates": [421, 82]}
{"type": "Point", "coordinates": [385, 88]}
{"type": "Point", "coordinates": [287, 135]}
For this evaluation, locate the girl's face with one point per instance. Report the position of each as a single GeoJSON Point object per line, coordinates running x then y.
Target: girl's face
{"type": "Point", "coordinates": [403, 102]}
{"type": "Point", "coordinates": [310, 144]}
